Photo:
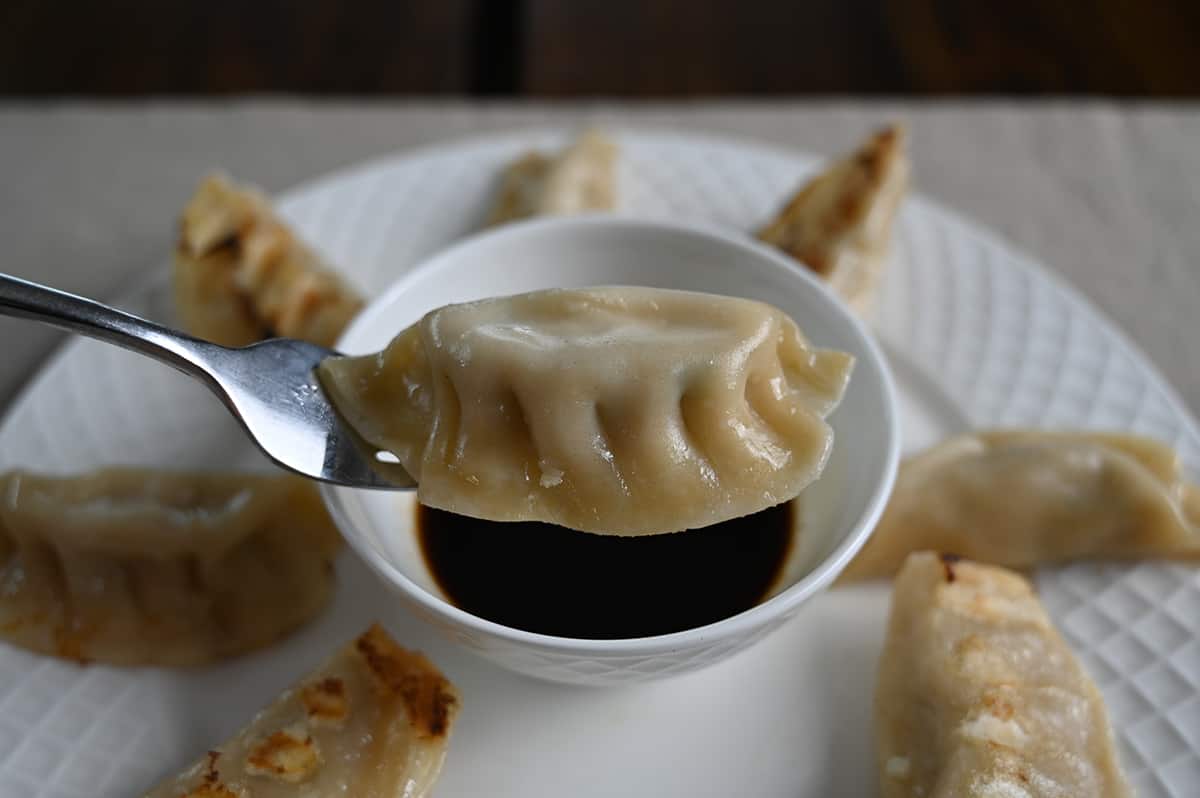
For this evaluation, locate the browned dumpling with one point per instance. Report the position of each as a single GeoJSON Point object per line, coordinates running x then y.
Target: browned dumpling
{"type": "Point", "coordinates": [372, 722]}
{"type": "Point", "coordinates": [1023, 498]}
{"type": "Point", "coordinates": [241, 275]}
{"type": "Point", "coordinates": [839, 224]}
{"type": "Point", "coordinates": [979, 697]}
{"type": "Point", "coordinates": [617, 410]}
{"type": "Point", "coordinates": [580, 178]}
{"type": "Point", "coordinates": [135, 567]}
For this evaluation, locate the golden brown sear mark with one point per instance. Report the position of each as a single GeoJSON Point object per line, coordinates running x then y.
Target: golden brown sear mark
{"type": "Point", "coordinates": [326, 701]}
{"type": "Point", "coordinates": [948, 561]}
{"type": "Point", "coordinates": [211, 786]}
{"type": "Point", "coordinates": [215, 790]}
{"type": "Point", "coordinates": [428, 696]}
{"type": "Point", "coordinates": [289, 755]}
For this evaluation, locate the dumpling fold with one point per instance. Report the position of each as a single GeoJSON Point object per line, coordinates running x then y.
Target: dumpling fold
{"type": "Point", "coordinates": [839, 224]}
{"type": "Point", "coordinates": [135, 567]}
{"type": "Point", "coordinates": [616, 410]}
{"type": "Point", "coordinates": [1023, 498]}
{"type": "Point", "coordinates": [580, 178]}
{"type": "Point", "coordinates": [979, 697]}
{"type": "Point", "coordinates": [242, 275]}
{"type": "Point", "coordinates": [372, 722]}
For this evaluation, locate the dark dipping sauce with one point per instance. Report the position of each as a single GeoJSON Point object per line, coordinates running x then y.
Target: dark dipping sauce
{"type": "Point", "coordinates": [557, 581]}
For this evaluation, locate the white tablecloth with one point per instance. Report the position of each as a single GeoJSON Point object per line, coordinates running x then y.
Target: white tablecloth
{"type": "Point", "coordinates": [1106, 195]}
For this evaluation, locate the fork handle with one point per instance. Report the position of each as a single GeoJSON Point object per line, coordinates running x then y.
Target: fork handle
{"type": "Point", "coordinates": [29, 300]}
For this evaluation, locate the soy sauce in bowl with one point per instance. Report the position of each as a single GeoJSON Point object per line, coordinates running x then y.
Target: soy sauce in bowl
{"type": "Point", "coordinates": [556, 581]}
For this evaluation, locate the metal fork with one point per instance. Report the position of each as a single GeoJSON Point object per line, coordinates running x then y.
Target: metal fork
{"type": "Point", "coordinates": [270, 387]}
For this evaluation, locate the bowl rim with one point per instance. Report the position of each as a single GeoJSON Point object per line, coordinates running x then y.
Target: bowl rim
{"type": "Point", "coordinates": [782, 604]}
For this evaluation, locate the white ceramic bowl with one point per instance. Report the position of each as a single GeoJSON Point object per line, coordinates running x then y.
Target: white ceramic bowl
{"type": "Point", "coordinates": [838, 511]}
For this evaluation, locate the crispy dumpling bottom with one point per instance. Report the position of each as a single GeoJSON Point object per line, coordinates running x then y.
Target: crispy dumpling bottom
{"type": "Point", "coordinates": [978, 696]}
{"type": "Point", "coordinates": [839, 223]}
{"type": "Point", "coordinates": [372, 722]}
{"type": "Point", "coordinates": [242, 275]}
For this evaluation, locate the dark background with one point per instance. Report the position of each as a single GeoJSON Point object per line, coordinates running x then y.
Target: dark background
{"type": "Point", "coordinates": [628, 48]}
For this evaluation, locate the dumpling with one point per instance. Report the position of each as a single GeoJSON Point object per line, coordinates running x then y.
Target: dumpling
{"type": "Point", "coordinates": [136, 567]}
{"type": "Point", "coordinates": [839, 224]}
{"type": "Point", "coordinates": [979, 697]}
{"type": "Point", "coordinates": [372, 722]}
{"type": "Point", "coordinates": [242, 276]}
{"type": "Point", "coordinates": [624, 411]}
{"type": "Point", "coordinates": [580, 178]}
{"type": "Point", "coordinates": [1022, 498]}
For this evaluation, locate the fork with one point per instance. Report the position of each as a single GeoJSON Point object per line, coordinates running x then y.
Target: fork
{"type": "Point", "coordinates": [270, 387]}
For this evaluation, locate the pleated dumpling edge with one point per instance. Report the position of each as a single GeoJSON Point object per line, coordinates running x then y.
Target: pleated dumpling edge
{"type": "Point", "coordinates": [614, 410]}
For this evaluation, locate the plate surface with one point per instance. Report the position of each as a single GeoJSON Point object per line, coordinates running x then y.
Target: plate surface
{"type": "Point", "coordinates": [976, 335]}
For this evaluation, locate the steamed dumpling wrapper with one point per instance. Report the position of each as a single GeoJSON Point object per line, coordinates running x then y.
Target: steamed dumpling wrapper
{"type": "Point", "coordinates": [136, 567]}
{"type": "Point", "coordinates": [1023, 498]}
{"type": "Point", "coordinates": [372, 722]}
{"type": "Point", "coordinates": [979, 697]}
{"type": "Point", "coordinates": [615, 410]}
{"type": "Point", "coordinates": [580, 178]}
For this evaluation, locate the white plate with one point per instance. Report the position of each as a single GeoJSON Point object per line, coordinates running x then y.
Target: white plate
{"type": "Point", "coordinates": [976, 334]}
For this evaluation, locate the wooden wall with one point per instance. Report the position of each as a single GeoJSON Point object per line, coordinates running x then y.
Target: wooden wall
{"type": "Point", "coordinates": [630, 48]}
